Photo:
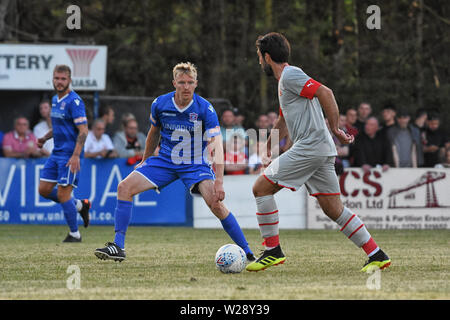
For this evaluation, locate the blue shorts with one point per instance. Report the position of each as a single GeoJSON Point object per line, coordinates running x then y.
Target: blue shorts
{"type": "Point", "coordinates": [161, 172]}
{"type": "Point", "coordinates": [55, 170]}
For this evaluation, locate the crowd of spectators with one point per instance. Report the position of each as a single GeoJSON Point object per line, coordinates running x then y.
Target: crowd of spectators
{"type": "Point", "coordinates": [101, 141]}
{"type": "Point", "coordinates": [394, 138]}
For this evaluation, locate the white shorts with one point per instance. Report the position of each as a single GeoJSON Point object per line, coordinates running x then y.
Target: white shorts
{"type": "Point", "coordinates": [292, 170]}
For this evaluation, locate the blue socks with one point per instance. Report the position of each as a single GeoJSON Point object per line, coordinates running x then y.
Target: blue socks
{"type": "Point", "coordinates": [70, 213]}
{"type": "Point", "coordinates": [122, 219]}
{"type": "Point", "coordinates": [231, 226]}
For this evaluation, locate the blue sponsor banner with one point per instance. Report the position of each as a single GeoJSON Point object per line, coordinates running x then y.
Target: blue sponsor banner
{"type": "Point", "coordinates": [20, 202]}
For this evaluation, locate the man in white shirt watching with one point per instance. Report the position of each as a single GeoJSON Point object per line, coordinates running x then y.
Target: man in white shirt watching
{"type": "Point", "coordinates": [98, 143]}
{"type": "Point", "coordinates": [44, 126]}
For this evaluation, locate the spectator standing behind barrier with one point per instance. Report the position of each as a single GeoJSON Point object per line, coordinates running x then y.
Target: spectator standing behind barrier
{"type": "Point", "coordinates": [420, 119]}
{"type": "Point", "coordinates": [434, 141]}
{"type": "Point", "coordinates": [350, 119]}
{"type": "Point", "coordinates": [235, 158]}
{"type": "Point", "coordinates": [106, 113]}
{"type": "Point", "coordinates": [44, 126]}
{"type": "Point", "coordinates": [239, 119]}
{"type": "Point", "coordinates": [228, 126]}
{"type": "Point", "coordinates": [263, 122]}
{"type": "Point", "coordinates": [405, 140]}
{"type": "Point", "coordinates": [363, 113]}
{"type": "Point", "coordinates": [388, 115]}
{"type": "Point", "coordinates": [273, 117]}
{"type": "Point", "coordinates": [372, 149]}
{"type": "Point", "coordinates": [98, 144]}
{"type": "Point", "coordinates": [21, 142]}
{"type": "Point", "coordinates": [130, 143]}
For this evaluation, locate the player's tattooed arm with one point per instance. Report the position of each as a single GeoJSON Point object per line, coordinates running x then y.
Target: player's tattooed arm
{"type": "Point", "coordinates": [74, 161]}
{"type": "Point", "coordinates": [81, 139]}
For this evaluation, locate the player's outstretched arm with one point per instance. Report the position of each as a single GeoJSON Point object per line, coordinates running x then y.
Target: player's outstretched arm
{"type": "Point", "coordinates": [151, 142]}
{"type": "Point", "coordinates": [330, 107]}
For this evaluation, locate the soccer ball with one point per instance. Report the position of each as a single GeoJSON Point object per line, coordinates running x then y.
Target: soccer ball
{"type": "Point", "coordinates": [230, 258]}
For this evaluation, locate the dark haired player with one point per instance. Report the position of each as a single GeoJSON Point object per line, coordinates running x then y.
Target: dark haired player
{"type": "Point", "coordinates": [309, 161]}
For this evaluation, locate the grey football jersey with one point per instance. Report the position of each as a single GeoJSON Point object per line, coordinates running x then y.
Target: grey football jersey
{"type": "Point", "coordinates": [303, 113]}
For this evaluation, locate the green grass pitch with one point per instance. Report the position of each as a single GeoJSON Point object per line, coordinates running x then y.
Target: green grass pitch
{"type": "Point", "coordinates": [178, 263]}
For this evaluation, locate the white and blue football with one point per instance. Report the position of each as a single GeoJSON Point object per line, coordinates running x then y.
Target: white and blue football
{"type": "Point", "coordinates": [230, 258]}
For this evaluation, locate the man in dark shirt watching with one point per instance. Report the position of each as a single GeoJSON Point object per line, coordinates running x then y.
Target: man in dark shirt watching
{"type": "Point", "coordinates": [372, 149]}
{"type": "Point", "coordinates": [434, 141]}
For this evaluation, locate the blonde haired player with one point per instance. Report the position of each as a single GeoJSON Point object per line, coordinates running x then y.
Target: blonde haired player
{"type": "Point", "coordinates": [187, 125]}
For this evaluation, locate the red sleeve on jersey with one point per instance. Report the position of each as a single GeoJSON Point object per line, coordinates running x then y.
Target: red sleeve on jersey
{"type": "Point", "coordinates": [281, 113]}
{"type": "Point", "coordinates": [310, 88]}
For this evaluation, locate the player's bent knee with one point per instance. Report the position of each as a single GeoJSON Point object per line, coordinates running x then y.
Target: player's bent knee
{"type": "Point", "coordinates": [216, 206]}
{"type": "Point", "coordinates": [219, 210]}
{"type": "Point", "coordinates": [264, 188]}
{"type": "Point", "coordinates": [258, 191]}
{"type": "Point", "coordinates": [124, 190]}
{"type": "Point", "coordinates": [45, 190]}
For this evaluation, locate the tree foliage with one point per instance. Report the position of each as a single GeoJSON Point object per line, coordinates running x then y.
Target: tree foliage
{"type": "Point", "coordinates": [406, 62]}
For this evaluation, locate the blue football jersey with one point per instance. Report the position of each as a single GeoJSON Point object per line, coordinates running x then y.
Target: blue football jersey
{"type": "Point", "coordinates": [184, 132]}
{"type": "Point", "coordinates": [66, 114]}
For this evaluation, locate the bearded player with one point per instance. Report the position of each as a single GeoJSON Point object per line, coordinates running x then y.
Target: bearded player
{"type": "Point", "coordinates": [188, 127]}
{"type": "Point", "coordinates": [69, 131]}
{"type": "Point", "coordinates": [309, 161]}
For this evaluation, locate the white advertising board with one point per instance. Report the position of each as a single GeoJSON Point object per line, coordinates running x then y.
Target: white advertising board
{"type": "Point", "coordinates": [240, 201]}
{"type": "Point", "coordinates": [30, 67]}
{"type": "Point", "coordinates": [394, 199]}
